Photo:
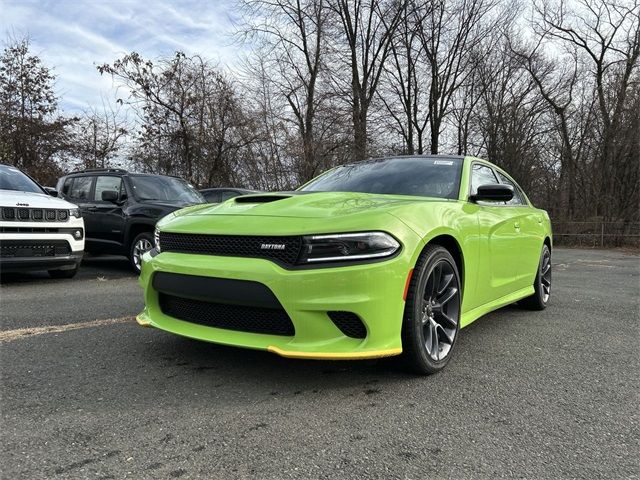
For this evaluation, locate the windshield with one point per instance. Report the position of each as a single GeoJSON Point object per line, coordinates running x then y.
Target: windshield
{"type": "Point", "coordinates": [165, 189]}
{"type": "Point", "coordinates": [422, 176]}
{"type": "Point", "coordinates": [13, 179]}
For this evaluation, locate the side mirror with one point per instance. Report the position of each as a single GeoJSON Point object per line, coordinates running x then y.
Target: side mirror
{"type": "Point", "coordinates": [495, 192]}
{"type": "Point", "coordinates": [110, 196]}
{"type": "Point", "coordinates": [51, 191]}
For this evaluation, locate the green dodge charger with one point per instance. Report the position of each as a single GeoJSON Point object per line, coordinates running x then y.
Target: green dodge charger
{"type": "Point", "coordinates": [383, 257]}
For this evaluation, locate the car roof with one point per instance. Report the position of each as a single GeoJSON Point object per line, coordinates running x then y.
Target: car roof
{"type": "Point", "coordinates": [115, 172]}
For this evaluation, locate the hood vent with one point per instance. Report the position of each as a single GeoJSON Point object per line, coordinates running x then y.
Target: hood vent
{"type": "Point", "coordinates": [261, 198]}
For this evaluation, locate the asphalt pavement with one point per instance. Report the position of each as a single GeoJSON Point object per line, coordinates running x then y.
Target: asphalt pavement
{"type": "Point", "coordinates": [87, 393]}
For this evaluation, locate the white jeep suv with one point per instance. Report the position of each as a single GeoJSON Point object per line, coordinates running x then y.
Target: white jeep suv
{"type": "Point", "coordinates": [37, 231]}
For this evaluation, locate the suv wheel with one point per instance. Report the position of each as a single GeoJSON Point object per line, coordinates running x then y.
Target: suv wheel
{"type": "Point", "coordinates": [140, 245]}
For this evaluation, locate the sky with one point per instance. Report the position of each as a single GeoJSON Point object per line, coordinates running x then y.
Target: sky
{"type": "Point", "coordinates": [73, 36]}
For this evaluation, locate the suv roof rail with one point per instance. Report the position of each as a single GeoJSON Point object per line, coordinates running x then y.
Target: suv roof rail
{"type": "Point", "coordinates": [91, 170]}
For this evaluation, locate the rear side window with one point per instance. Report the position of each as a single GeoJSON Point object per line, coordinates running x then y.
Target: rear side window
{"type": "Point", "coordinates": [81, 188]}
{"type": "Point", "coordinates": [518, 198]}
{"type": "Point", "coordinates": [105, 183]}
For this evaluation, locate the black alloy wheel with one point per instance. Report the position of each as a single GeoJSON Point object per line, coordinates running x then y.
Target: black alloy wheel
{"type": "Point", "coordinates": [432, 311]}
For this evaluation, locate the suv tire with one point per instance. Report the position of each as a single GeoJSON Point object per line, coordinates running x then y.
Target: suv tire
{"type": "Point", "coordinates": [141, 244]}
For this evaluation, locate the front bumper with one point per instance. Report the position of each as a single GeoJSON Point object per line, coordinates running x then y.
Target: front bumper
{"type": "Point", "coordinates": [27, 233]}
{"type": "Point", "coordinates": [25, 264]}
{"type": "Point", "coordinates": [373, 291]}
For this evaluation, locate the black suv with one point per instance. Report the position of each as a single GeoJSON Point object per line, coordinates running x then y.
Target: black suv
{"type": "Point", "coordinates": [120, 209]}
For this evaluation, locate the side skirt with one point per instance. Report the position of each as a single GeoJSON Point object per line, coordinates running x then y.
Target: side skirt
{"type": "Point", "coordinates": [472, 315]}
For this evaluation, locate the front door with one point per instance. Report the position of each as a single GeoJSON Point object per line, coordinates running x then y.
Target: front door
{"type": "Point", "coordinates": [499, 236]}
{"type": "Point", "coordinates": [108, 217]}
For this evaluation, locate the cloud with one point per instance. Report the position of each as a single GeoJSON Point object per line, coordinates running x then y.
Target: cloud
{"type": "Point", "coordinates": [73, 37]}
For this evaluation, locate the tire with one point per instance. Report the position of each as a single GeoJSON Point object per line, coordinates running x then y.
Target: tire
{"type": "Point", "coordinates": [70, 273]}
{"type": "Point", "coordinates": [430, 316]}
{"type": "Point", "coordinates": [542, 283]}
{"type": "Point", "coordinates": [141, 244]}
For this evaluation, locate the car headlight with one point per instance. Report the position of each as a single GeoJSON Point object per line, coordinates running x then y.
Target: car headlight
{"type": "Point", "coordinates": [75, 212]}
{"type": "Point", "coordinates": [156, 239]}
{"type": "Point", "coordinates": [348, 247]}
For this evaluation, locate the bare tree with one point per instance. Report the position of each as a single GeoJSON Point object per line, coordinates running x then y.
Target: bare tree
{"type": "Point", "coordinates": [289, 35]}
{"type": "Point", "coordinates": [448, 33]}
{"type": "Point", "coordinates": [604, 36]}
{"type": "Point", "coordinates": [405, 83]}
{"type": "Point", "coordinates": [34, 135]}
{"type": "Point", "coordinates": [99, 135]}
{"type": "Point", "coordinates": [364, 41]}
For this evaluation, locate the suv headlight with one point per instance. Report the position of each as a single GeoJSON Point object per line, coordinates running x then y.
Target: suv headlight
{"type": "Point", "coordinates": [75, 212]}
{"type": "Point", "coordinates": [156, 239]}
{"type": "Point", "coordinates": [348, 247]}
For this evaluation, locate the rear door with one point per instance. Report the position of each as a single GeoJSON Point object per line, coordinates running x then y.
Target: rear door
{"type": "Point", "coordinates": [499, 235]}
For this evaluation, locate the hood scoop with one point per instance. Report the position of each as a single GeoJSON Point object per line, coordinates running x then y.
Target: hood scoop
{"type": "Point", "coordinates": [260, 198]}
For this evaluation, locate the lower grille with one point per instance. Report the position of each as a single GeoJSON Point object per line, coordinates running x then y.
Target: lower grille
{"type": "Point", "coordinates": [272, 321]}
{"type": "Point", "coordinates": [31, 248]}
{"type": "Point", "coordinates": [349, 324]}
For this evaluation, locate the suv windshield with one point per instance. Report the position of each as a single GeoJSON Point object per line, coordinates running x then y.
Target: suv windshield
{"type": "Point", "coordinates": [164, 189]}
{"type": "Point", "coordinates": [421, 176]}
{"type": "Point", "coordinates": [13, 179]}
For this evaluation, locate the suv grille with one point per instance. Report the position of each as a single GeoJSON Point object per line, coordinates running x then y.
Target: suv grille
{"type": "Point", "coordinates": [272, 321]}
{"type": "Point", "coordinates": [34, 214]}
{"type": "Point", "coordinates": [234, 246]}
{"type": "Point", "coordinates": [33, 248]}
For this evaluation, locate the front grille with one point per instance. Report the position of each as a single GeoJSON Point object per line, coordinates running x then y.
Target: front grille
{"type": "Point", "coordinates": [34, 214]}
{"type": "Point", "coordinates": [33, 248]}
{"type": "Point", "coordinates": [349, 324]}
{"type": "Point", "coordinates": [272, 321]}
{"type": "Point", "coordinates": [234, 246]}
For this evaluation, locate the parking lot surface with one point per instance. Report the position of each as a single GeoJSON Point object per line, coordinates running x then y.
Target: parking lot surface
{"type": "Point", "coordinates": [87, 393]}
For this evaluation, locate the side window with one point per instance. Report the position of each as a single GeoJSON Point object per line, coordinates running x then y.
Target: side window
{"type": "Point", "coordinates": [81, 188]}
{"type": "Point", "coordinates": [481, 175]}
{"type": "Point", "coordinates": [517, 199]}
{"type": "Point", "coordinates": [106, 183]}
{"type": "Point", "coordinates": [66, 187]}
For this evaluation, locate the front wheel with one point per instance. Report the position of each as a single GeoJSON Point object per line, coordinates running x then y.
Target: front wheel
{"type": "Point", "coordinates": [140, 245]}
{"type": "Point", "coordinates": [432, 311]}
{"type": "Point", "coordinates": [542, 283]}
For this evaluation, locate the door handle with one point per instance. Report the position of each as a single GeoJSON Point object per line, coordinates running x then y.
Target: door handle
{"type": "Point", "coordinates": [517, 225]}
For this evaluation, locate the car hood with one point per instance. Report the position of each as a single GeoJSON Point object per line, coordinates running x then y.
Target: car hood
{"type": "Point", "coordinates": [307, 204]}
{"type": "Point", "coordinates": [14, 198]}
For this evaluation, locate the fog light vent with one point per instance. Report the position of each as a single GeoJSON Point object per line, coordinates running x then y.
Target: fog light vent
{"type": "Point", "coordinates": [349, 324]}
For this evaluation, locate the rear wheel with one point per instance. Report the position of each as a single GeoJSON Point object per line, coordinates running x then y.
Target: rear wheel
{"type": "Point", "coordinates": [542, 283]}
{"type": "Point", "coordinates": [432, 311]}
{"type": "Point", "coordinates": [140, 245]}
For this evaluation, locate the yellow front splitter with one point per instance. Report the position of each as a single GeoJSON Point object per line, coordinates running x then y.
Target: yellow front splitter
{"type": "Point", "coordinates": [335, 355]}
